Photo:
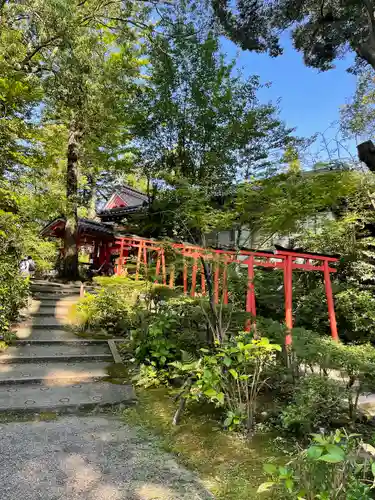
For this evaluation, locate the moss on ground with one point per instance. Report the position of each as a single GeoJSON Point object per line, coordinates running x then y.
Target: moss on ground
{"type": "Point", "coordinates": [230, 465]}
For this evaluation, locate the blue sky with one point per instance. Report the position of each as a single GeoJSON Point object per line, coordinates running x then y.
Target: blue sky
{"type": "Point", "coordinates": [310, 100]}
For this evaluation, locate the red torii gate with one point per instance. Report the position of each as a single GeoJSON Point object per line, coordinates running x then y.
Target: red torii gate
{"type": "Point", "coordinates": [281, 259]}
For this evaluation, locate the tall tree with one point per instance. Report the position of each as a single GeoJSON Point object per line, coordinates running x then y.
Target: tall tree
{"type": "Point", "coordinates": [73, 64]}
{"type": "Point", "coordinates": [204, 123]}
{"type": "Point", "coordinates": [322, 30]}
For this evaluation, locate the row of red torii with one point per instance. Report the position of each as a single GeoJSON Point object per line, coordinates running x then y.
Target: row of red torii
{"type": "Point", "coordinates": [280, 259]}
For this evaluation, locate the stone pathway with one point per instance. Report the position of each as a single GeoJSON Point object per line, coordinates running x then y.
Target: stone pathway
{"type": "Point", "coordinates": [74, 457]}
{"type": "Point", "coordinates": [49, 368]}
{"type": "Point", "coordinates": [89, 458]}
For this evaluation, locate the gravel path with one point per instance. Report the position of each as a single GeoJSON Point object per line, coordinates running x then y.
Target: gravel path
{"type": "Point", "coordinates": [88, 458]}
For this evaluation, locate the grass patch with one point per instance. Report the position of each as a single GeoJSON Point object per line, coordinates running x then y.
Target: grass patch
{"type": "Point", "coordinates": [230, 466]}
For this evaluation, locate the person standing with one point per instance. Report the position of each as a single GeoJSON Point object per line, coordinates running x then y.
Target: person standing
{"type": "Point", "coordinates": [24, 267]}
{"type": "Point", "coordinates": [31, 266]}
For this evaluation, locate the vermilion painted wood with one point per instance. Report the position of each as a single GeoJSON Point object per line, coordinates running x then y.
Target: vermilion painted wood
{"type": "Point", "coordinates": [288, 292]}
{"type": "Point", "coordinates": [185, 273]}
{"type": "Point", "coordinates": [225, 284]}
{"type": "Point", "coordinates": [163, 269]}
{"type": "Point", "coordinates": [250, 297]}
{"type": "Point", "coordinates": [203, 281]}
{"type": "Point", "coordinates": [216, 282]}
{"type": "Point", "coordinates": [331, 307]}
{"type": "Point", "coordinates": [194, 278]}
{"type": "Point", "coordinates": [280, 259]}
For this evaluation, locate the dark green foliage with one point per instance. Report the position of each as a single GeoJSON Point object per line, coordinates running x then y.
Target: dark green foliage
{"type": "Point", "coordinates": [316, 402]}
{"type": "Point", "coordinates": [13, 293]}
{"type": "Point", "coordinates": [323, 32]}
{"type": "Point", "coordinates": [334, 466]}
{"type": "Point", "coordinates": [180, 325]}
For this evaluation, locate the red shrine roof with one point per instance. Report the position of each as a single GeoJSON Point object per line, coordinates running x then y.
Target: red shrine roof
{"type": "Point", "coordinates": [125, 196]}
{"type": "Point", "coordinates": [56, 228]}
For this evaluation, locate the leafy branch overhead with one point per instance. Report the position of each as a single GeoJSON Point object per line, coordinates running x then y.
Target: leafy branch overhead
{"type": "Point", "coordinates": [322, 30]}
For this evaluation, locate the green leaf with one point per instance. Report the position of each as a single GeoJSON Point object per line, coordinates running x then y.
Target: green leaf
{"type": "Point", "coordinates": [265, 487]}
{"type": "Point", "coordinates": [233, 373]}
{"type": "Point", "coordinates": [333, 449]}
{"type": "Point", "coordinates": [289, 485]}
{"type": "Point", "coordinates": [269, 468]}
{"type": "Point", "coordinates": [227, 361]}
{"type": "Point", "coordinates": [314, 452]}
{"type": "Point", "coordinates": [373, 468]}
{"type": "Point", "coordinates": [220, 397]}
{"type": "Point", "coordinates": [211, 393]}
{"type": "Point", "coordinates": [283, 471]}
{"type": "Point", "coordinates": [228, 421]}
{"type": "Point", "coordinates": [332, 459]}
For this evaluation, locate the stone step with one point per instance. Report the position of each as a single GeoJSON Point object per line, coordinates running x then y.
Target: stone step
{"type": "Point", "coordinates": [55, 283]}
{"type": "Point", "coordinates": [82, 396]}
{"type": "Point", "coordinates": [42, 290]}
{"type": "Point", "coordinates": [70, 341]}
{"type": "Point", "coordinates": [53, 373]}
{"type": "Point", "coordinates": [51, 312]}
{"type": "Point", "coordinates": [50, 306]}
{"type": "Point", "coordinates": [32, 333]}
{"type": "Point", "coordinates": [55, 286]}
{"type": "Point", "coordinates": [44, 323]}
{"type": "Point", "coordinates": [53, 358]}
{"type": "Point", "coordinates": [47, 299]}
{"type": "Point", "coordinates": [25, 353]}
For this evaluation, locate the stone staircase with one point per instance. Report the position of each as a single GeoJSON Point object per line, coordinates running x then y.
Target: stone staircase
{"type": "Point", "coordinates": [48, 368]}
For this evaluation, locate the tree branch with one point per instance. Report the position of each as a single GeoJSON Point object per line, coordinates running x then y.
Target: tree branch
{"type": "Point", "coordinates": [39, 48]}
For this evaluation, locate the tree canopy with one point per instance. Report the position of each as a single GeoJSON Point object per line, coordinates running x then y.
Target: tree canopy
{"type": "Point", "coordinates": [322, 31]}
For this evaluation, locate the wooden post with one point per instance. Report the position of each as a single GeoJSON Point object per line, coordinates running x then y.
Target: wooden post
{"type": "Point", "coordinates": [194, 277]}
{"type": "Point", "coordinates": [250, 297]}
{"type": "Point", "coordinates": [203, 281]}
{"type": "Point", "coordinates": [330, 303]}
{"type": "Point", "coordinates": [139, 259]}
{"type": "Point", "coordinates": [288, 291]}
{"type": "Point", "coordinates": [157, 271]}
{"type": "Point", "coordinates": [225, 284]}
{"type": "Point", "coordinates": [163, 270]}
{"type": "Point", "coordinates": [185, 273]}
{"type": "Point", "coordinates": [119, 267]}
{"type": "Point", "coordinates": [124, 261]}
{"type": "Point", "coordinates": [216, 281]}
{"type": "Point", "coordinates": [145, 258]}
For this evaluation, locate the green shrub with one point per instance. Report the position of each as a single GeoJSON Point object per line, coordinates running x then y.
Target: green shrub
{"type": "Point", "coordinates": [337, 466]}
{"type": "Point", "coordinates": [230, 376]}
{"type": "Point", "coordinates": [180, 324]}
{"type": "Point", "coordinates": [317, 402]}
{"type": "Point", "coordinates": [122, 305]}
{"type": "Point", "coordinates": [352, 366]}
{"type": "Point", "coordinates": [13, 294]}
{"type": "Point", "coordinates": [112, 309]}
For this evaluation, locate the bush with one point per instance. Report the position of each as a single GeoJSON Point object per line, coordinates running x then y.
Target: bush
{"type": "Point", "coordinates": [178, 325]}
{"type": "Point", "coordinates": [335, 466]}
{"type": "Point", "coordinates": [231, 376]}
{"type": "Point", "coordinates": [114, 307]}
{"type": "Point", "coordinates": [13, 294]}
{"type": "Point", "coordinates": [317, 402]}
{"type": "Point", "coordinates": [352, 367]}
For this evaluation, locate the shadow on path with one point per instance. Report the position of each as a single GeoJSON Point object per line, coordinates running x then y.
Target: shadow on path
{"type": "Point", "coordinates": [89, 458]}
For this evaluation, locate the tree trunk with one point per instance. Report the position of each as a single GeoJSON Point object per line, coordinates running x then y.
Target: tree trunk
{"type": "Point", "coordinates": [366, 51]}
{"type": "Point", "coordinates": [91, 212]}
{"type": "Point", "coordinates": [70, 268]}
